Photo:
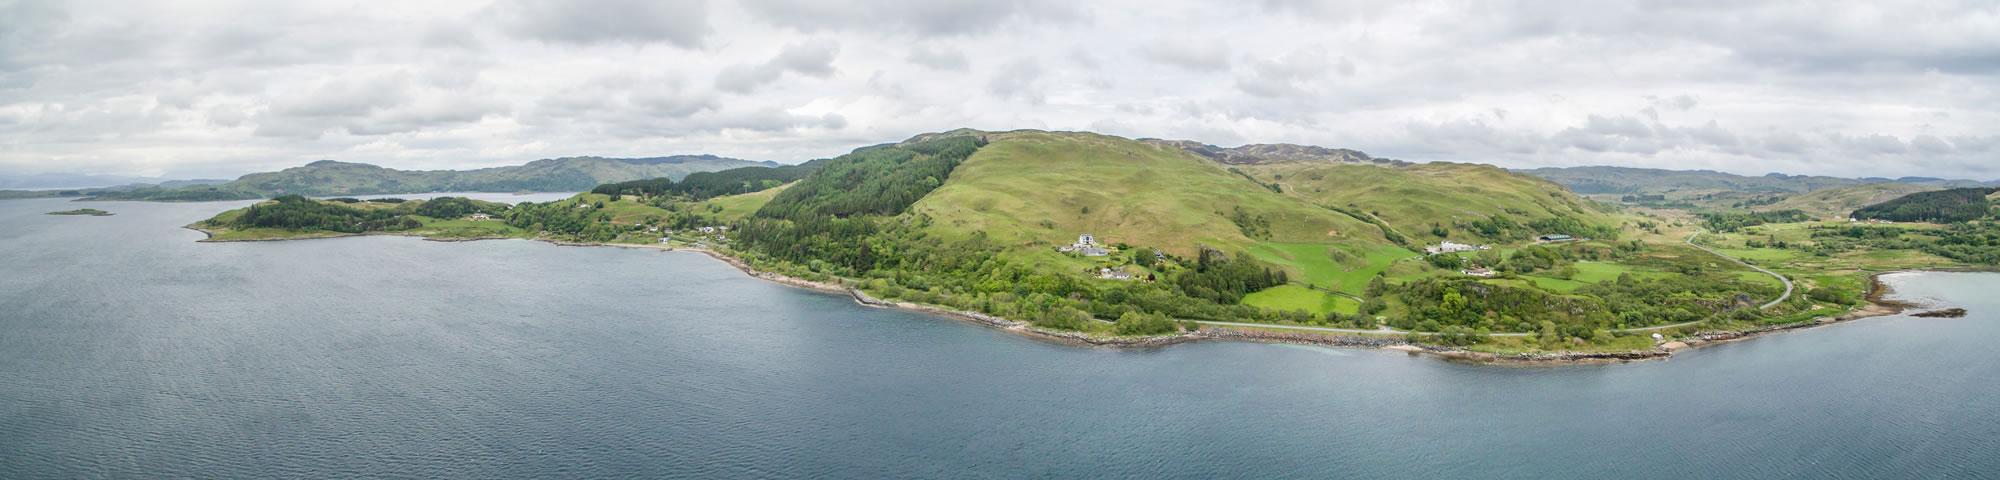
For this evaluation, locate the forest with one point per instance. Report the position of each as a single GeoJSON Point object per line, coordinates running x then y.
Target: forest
{"type": "Point", "coordinates": [700, 186]}
{"type": "Point", "coordinates": [298, 213]}
{"type": "Point", "coordinates": [1942, 206]}
{"type": "Point", "coordinates": [293, 212]}
{"type": "Point", "coordinates": [875, 181]}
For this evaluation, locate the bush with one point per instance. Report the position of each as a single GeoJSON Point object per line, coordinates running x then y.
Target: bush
{"type": "Point", "coordinates": [1063, 318]}
{"type": "Point", "coordinates": [1135, 323]}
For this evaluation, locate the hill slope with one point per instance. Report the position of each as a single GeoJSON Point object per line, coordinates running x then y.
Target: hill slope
{"type": "Point", "coordinates": [327, 177]}
{"type": "Point", "coordinates": [1035, 190]}
{"type": "Point", "coordinates": [1838, 201]}
{"type": "Point", "coordinates": [1470, 201]}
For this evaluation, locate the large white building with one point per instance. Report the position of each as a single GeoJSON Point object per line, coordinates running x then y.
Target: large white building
{"type": "Point", "coordinates": [1450, 247]}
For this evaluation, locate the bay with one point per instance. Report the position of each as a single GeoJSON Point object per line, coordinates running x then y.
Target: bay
{"type": "Point", "coordinates": [128, 350]}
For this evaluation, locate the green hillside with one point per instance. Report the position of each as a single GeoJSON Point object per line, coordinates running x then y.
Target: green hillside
{"type": "Point", "coordinates": [1032, 191]}
{"type": "Point", "coordinates": [1469, 202]}
{"type": "Point", "coordinates": [1837, 202]}
{"type": "Point", "coordinates": [327, 177]}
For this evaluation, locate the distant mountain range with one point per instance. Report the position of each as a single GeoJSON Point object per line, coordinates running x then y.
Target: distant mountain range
{"type": "Point", "coordinates": [329, 178]}
{"type": "Point", "coordinates": [50, 181]}
{"type": "Point", "coordinates": [1627, 180]}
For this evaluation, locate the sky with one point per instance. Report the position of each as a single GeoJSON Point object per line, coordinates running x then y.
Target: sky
{"type": "Point", "coordinates": [208, 89]}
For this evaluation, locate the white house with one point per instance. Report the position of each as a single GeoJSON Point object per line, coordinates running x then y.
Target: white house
{"type": "Point", "coordinates": [1086, 244]}
{"type": "Point", "coordinates": [1452, 247]}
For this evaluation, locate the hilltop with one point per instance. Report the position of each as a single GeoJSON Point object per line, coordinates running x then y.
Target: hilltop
{"type": "Point", "coordinates": [328, 177]}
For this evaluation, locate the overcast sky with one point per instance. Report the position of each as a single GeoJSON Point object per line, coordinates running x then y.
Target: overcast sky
{"type": "Point", "coordinates": [193, 88]}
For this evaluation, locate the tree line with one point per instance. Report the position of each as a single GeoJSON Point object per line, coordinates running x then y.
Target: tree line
{"type": "Point", "coordinates": [1941, 206]}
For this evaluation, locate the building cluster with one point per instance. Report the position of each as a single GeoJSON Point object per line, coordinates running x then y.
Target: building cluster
{"type": "Point", "coordinates": [1113, 274]}
{"type": "Point", "coordinates": [1453, 247]}
{"type": "Point", "coordinates": [1086, 245]}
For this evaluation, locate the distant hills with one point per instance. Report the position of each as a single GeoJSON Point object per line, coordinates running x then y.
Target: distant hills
{"type": "Point", "coordinates": [1643, 181]}
{"type": "Point", "coordinates": [328, 177]}
{"type": "Point", "coordinates": [1837, 202]}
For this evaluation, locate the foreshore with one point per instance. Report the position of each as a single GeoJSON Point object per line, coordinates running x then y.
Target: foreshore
{"type": "Point", "coordinates": [1878, 305]}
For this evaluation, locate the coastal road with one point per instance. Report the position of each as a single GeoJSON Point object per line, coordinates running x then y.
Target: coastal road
{"type": "Point", "coordinates": [1781, 278]}
{"type": "Point", "coordinates": [1391, 331]}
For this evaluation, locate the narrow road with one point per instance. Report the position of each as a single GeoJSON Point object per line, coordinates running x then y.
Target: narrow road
{"type": "Point", "coordinates": [1781, 278]}
{"type": "Point", "coordinates": [1391, 331]}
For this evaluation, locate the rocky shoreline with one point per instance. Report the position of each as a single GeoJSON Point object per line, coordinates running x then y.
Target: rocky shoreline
{"type": "Point", "coordinates": [1878, 306]}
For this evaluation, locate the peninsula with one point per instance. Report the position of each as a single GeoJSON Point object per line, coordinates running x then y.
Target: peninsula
{"type": "Point", "coordinates": [1111, 241]}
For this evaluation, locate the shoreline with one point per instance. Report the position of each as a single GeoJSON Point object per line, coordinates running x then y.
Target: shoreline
{"type": "Point", "coordinates": [1877, 306]}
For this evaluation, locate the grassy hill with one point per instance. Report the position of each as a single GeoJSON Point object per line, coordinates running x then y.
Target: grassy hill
{"type": "Point", "coordinates": [1413, 199]}
{"type": "Point", "coordinates": [327, 177]}
{"type": "Point", "coordinates": [1837, 202]}
{"type": "Point", "coordinates": [1031, 191]}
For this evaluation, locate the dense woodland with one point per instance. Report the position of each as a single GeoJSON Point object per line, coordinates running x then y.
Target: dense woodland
{"type": "Point", "coordinates": [1942, 206]}
{"type": "Point", "coordinates": [298, 213]}
{"type": "Point", "coordinates": [293, 212]}
{"type": "Point", "coordinates": [875, 181]}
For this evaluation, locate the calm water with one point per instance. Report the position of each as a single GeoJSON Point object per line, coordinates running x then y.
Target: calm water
{"type": "Point", "coordinates": [127, 350]}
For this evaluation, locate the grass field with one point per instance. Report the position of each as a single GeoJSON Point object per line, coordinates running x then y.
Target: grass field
{"type": "Point", "coordinates": [1294, 297]}
{"type": "Point", "coordinates": [1316, 264]}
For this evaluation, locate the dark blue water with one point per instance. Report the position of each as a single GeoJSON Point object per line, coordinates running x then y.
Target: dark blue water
{"type": "Point", "coordinates": [127, 350]}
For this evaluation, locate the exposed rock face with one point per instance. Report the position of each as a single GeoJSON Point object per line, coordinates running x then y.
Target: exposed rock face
{"type": "Point", "coordinates": [1945, 313]}
{"type": "Point", "coordinates": [1263, 153]}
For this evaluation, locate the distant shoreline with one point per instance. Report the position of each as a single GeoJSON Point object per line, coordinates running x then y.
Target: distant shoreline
{"type": "Point", "coordinates": [1877, 306]}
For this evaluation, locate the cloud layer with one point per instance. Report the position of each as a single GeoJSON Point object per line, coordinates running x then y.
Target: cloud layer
{"type": "Point", "coordinates": [202, 89]}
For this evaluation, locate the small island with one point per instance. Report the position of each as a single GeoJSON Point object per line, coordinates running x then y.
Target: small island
{"type": "Point", "coordinates": [83, 211]}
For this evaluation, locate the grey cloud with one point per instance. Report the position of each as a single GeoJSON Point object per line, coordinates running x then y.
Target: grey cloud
{"type": "Point", "coordinates": [1875, 143]}
{"type": "Point", "coordinates": [378, 105]}
{"type": "Point", "coordinates": [682, 23]}
{"type": "Point", "coordinates": [1286, 76]}
{"type": "Point", "coordinates": [939, 58]}
{"type": "Point", "coordinates": [1784, 143]}
{"type": "Point", "coordinates": [226, 116]}
{"type": "Point", "coordinates": [1018, 79]}
{"type": "Point", "coordinates": [344, 97]}
{"type": "Point", "coordinates": [1930, 144]}
{"type": "Point", "coordinates": [813, 59]}
{"type": "Point", "coordinates": [922, 17]}
{"type": "Point", "coordinates": [451, 35]}
{"type": "Point", "coordinates": [1192, 55]}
